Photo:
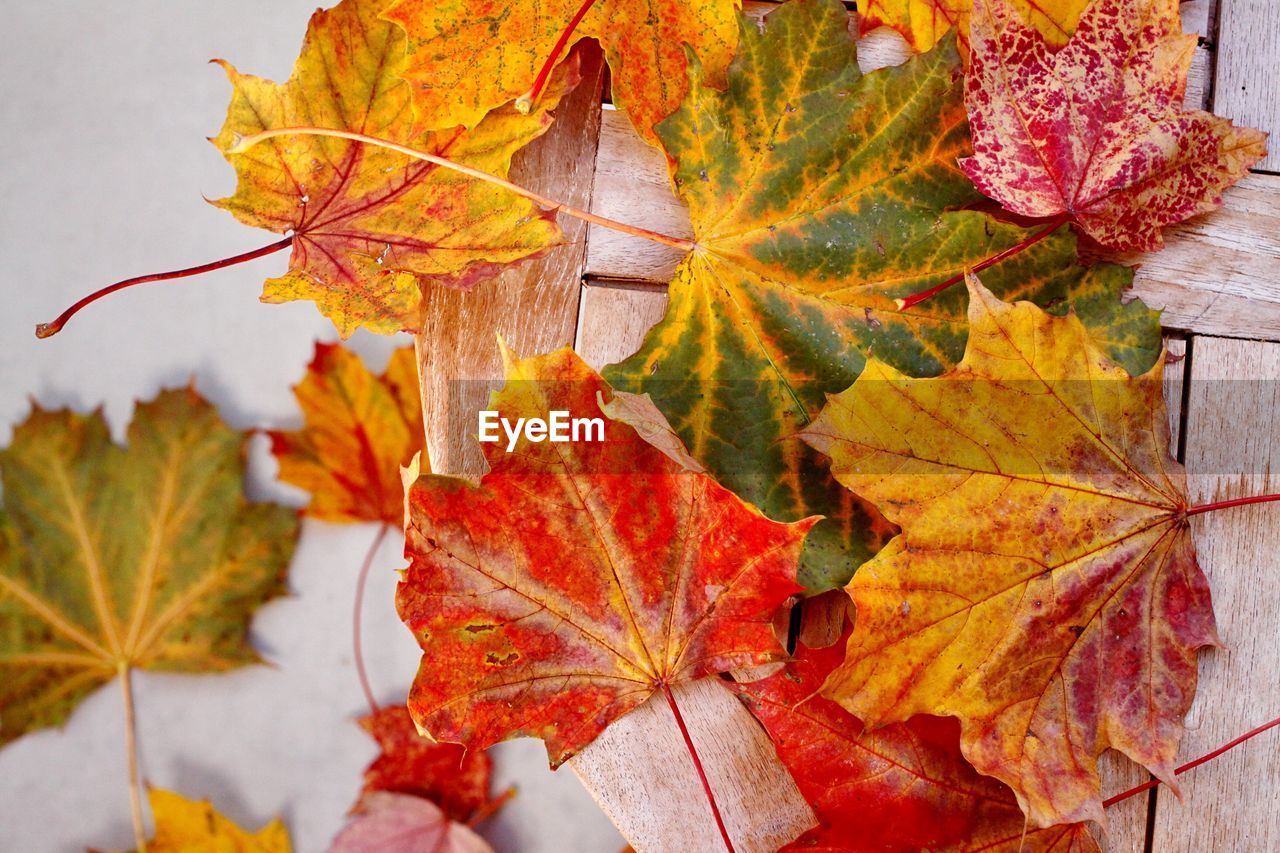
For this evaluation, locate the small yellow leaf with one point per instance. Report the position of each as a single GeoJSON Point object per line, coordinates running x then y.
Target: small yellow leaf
{"type": "Point", "coordinates": [191, 826]}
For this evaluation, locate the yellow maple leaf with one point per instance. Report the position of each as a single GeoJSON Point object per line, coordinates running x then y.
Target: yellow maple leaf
{"type": "Point", "coordinates": [1044, 588]}
{"type": "Point", "coordinates": [195, 826]}
{"type": "Point", "coordinates": [370, 225]}
{"type": "Point", "coordinates": [923, 22]}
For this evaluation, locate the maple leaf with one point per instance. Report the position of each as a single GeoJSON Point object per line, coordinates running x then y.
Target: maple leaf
{"type": "Point", "coordinates": [191, 826]}
{"type": "Point", "coordinates": [469, 56]}
{"type": "Point", "coordinates": [359, 430]}
{"type": "Point", "coordinates": [399, 823]}
{"type": "Point", "coordinates": [924, 22]}
{"type": "Point", "coordinates": [456, 780]}
{"type": "Point", "coordinates": [818, 195]}
{"type": "Point", "coordinates": [369, 225]}
{"type": "Point", "coordinates": [903, 787]}
{"type": "Point", "coordinates": [1044, 588]}
{"type": "Point", "coordinates": [1096, 131]}
{"type": "Point", "coordinates": [579, 578]}
{"type": "Point", "coordinates": [112, 557]}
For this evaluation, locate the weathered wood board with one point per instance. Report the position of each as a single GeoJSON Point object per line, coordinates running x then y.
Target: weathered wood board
{"type": "Point", "coordinates": [533, 306]}
{"type": "Point", "coordinates": [1233, 450]}
{"type": "Point", "coordinates": [1246, 87]}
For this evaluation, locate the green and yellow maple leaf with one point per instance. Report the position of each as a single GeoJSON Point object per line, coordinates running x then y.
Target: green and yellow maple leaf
{"type": "Point", "coordinates": [818, 195]}
{"type": "Point", "coordinates": [371, 226]}
{"type": "Point", "coordinates": [146, 556]}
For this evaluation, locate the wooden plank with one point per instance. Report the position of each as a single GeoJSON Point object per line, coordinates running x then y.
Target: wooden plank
{"type": "Point", "coordinates": [614, 321]}
{"type": "Point", "coordinates": [1233, 450]}
{"type": "Point", "coordinates": [533, 305]}
{"type": "Point", "coordinates": [1247, 77]}
{"type": "Point", "coordinates": [640, 770]}
{"type": "Point", "coordinates": [1220, 273]}
{"type": "Point", "coordinates": [1127, 821]}
{"type": "Point", "coordinates": [1198, 18]}
{"type": "Point", "coordinates": [1217, 274]}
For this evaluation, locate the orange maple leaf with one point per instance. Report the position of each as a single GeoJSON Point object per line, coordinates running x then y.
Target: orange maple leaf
{"type": "Point", "coordinates": [1096, 131]}
{"type": "Point", "coordinates": [576, 579]}
{"type": "Point", "coordinates": [469, 56]}
{"type": "Point", "coordinates": [901, 787]}
{"type": "Point", "coordinates": [359, 430]}
{"type": "Point", "coordinates": [1044, 588]}
{"type": "Point", "coordinates": [455, 779]}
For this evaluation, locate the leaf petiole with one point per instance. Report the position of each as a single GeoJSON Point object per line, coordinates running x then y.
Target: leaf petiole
{"type": "Point", "coordinates": [357, 648]}
{"type": "Point", "coordinates": [125, 673]}
{"type": "Point", "coordinates": [48, 330]}
{"type": "Point", "coordinates": [697, 763]}
{"type": "Point", "coordinates": [1217, 505]}
{"type": "Point", "coordinates": [244, 143]}
{"type": "Point", "coordinates": [1022, 245]}
{"type": "Point", "coordinates": [1191, 765]}
{"type": "Point", "coordinates": [526, 101]}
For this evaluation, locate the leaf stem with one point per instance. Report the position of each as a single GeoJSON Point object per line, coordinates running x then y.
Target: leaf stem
{"type": "Point", "coordinates": [697, 763]}
{"type": "Point", "coordinates": [490, 808]}
{"type": "Point", "coordinates": [1191, 765]}
{"type": "Point", "coordinates": [357, 648]}
{"type": "Point", "coordinates": [1217, 505]}
{"type": "Point", "coordinates": [526, 101]}
{"type": "Point", "coordinates": [1022, 245]}
{"type": "Point", "coordinates": [247, 142]}
{"type": "Point", "coordinates": [125, 674]}
{"type": "Point", "coordinates": [47, 330]}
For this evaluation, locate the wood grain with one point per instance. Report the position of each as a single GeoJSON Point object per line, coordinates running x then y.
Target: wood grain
{"type": "Point", "coordinates": [533, 306]}
{"type": "Point", "coordinates": [1233, 449]}
{"type": "Point", "coordinates": [1217, 274]}
{"type": "Point", "coordinates": [661, 811]}
{"type": "Point", "coordinates": [1247, 83]}
{"type": "Point", "coordinates": [614, 320]}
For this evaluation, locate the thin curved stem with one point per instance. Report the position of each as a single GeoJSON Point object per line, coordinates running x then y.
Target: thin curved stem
{"type": "Point", "coordinates": [1191, 765]}
{"type": "Point", "coordinates": [526, 101]}
{"type": "Point", "coordinates": [247, 142]}
{"type": "Point", "coordinates": [697, 763]}
{"type": "Point", "coordinates": [1020, 246]}
{"type": "Point", "coordinates": [490, 808]}
{"type": "Point", "coordinates": [357, 647]}
{"type": "Point", "coordinates": [1217, 505]}
{"type": "Point", "coordinates": [125, 675]}
{"type": "Point", "coordinates": [47, 330]}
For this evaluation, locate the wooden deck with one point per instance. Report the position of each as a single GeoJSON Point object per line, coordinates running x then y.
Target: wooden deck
{"type": "Point", "coordinates": [1218, 283]}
